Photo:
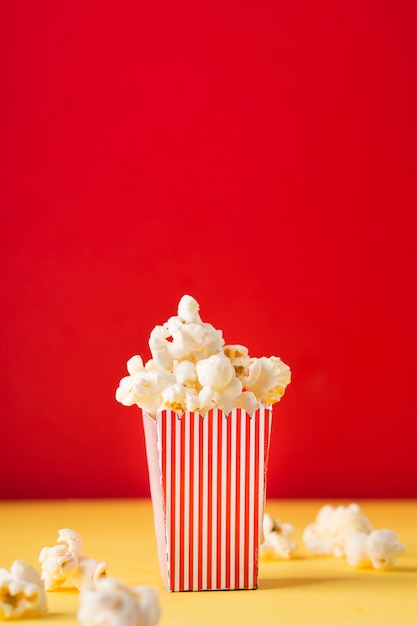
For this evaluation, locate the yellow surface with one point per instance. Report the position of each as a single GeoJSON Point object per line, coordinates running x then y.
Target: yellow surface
{"type": "Point", "coordinates": [303, 590]}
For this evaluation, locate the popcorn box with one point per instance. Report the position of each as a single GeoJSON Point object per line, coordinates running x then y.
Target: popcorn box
{"type": "Point", "coordinates": [207, 478]}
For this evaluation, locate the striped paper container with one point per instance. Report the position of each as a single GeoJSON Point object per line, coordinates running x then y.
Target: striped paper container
{"type": "Point", "coordinates": [207, 479]}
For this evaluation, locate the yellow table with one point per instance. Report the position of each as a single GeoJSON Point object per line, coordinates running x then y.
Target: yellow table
{"type": "Point", "coordinates": [304, 590]}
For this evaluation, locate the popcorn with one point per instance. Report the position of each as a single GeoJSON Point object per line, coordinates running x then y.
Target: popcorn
{"type": "Point", "coordinates": [192, 369]}
{"type": "Point", "coordinates": [64, 562]}
{"type": "Point", "coordinates": [174, 397]}
{"type": "Point", "coordinates": [267, 378]}
{"type": "Point", "coordinates": [215, 372]}
{"type": "Point", "coordinates": [110, 602]}
{"type": "Point", "coordinates": [225, 398]}
{"type": "Point", "coordinates": [247, 401]}
{"type": "Point", "coordinates": [346, 531]}
{"type": "Point", "coordinates": [278, 539]}
{"type": "Point", "coordinates": [201, 402]}
{"type": "Point", "coordinates": [135, 365]}
{"type": "Point", "coordinates": [327, 535]}
{"type": "Point", "coordinates": [239, 358]}
{"type": "Point", "coordinates": [356, 549]}
{"type": "Point", "coordinates": [145, 388]}
{"type": "Point", "coordinates": [188, 310]}
{"type": "Point", "coordinates": [71, 541]}
{"type": "Point", "coordinates": [378, 549]}
{"type": "Point", "coordinates": [22, 592]}
{"type": "Point", "coordinates": [185, 373]}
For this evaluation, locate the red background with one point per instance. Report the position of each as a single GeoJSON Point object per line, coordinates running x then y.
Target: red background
{"type": "Point", "coordinates": [258, 155]}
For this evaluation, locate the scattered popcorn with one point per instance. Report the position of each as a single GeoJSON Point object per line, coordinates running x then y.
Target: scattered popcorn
{"type": "Point", "coordinates": [356, 549]}
{"type": "Point", "coordinates": [378, 549]}
{"type": "Point", "coordinates": [278, 539]}
{"type": "Point", "coordinates": [22, 592]}
{"type": "Point", "coordinates": [327, 535]}
{"type": "Point", "coordinates": [71, 541]}
{"type": "Point", "coordinates": [192, 369]}
{"type": "Point", "coordinates": [109, 602]}
{"type": "Point", "coordinates": [64, 562]}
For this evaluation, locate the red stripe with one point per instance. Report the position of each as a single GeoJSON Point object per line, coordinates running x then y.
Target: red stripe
{"type": "Point", "coordinates": [180, 424]}
{"type": "Point", "coordinates": [267, 415]}
{"type": "Point", "coordinates": [256, 501]}
{"type": "Point", "coordinates": [209, 418]}
{"type": "Point", "coordinates": [247, 483]}
{"type": "Point", "coordinates": [200, 505]}
{"type": "Point", "coordinates": [219, 493]}
{"type": "Point", "coordinates": [171, 417]}
{"type": "Point", "coordinates": [191, 417]}
{"type": "Point", "coordinates": [228, 496]}
{"type": "Point", "coordinates": [238, 469]}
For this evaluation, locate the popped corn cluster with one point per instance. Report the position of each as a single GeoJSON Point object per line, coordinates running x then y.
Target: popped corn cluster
{"type": "Point", "coordinates": [345, 531]}
{"type": "Point", "coordinates": [103, 600]}
{"type": "Point", "coordinates": [109, 601]}
{"type": "Point", "coordinates": [65, 562]}
{"type": "Point", "coordinates": [22, 592]}
{"type": "Point", "coordinates": [192, 369]}
{"type": "Point", "coordinates": [379, 549]}
{"type": "Point", "coordinates": [327, 535]}
{"type": "Point", "coordinates": [278, 539]}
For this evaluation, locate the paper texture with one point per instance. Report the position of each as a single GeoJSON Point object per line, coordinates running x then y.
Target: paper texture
{"type": "Point", "coordinates": [208, 478]}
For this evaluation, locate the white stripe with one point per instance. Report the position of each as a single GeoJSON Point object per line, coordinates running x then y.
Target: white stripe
{"type": "Point", "coordinates": [177, 499]}
{"type": "Point", "coordinates": [205, 502]}
{"type": "Point", "coordinates": [167, 452]}
{"type": "Point", "coordinates": [234, 418]}
{"type": "Point", "coordinates": [196, 529]}
{"type": "Point", "coordinates": [251, 501]}
{"type": "Point", "coordinates": [186, 547]}
{"type": "Point", "coordinates": [242, 500]}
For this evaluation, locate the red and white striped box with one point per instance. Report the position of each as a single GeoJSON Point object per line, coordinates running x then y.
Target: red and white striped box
{"type": "Point", "coordinates": [207, 479]}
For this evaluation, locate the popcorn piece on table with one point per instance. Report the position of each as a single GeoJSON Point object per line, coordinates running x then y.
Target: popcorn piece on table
{"type": "Point", "coordinates": [278, 539]}
{"type": "Point", "coordinates": [108, 601]}
{"type": "Point", "coordinates": [64, 562]}
{"type": "Point", "coordinates": [192, 370]}
{"type": "Point", "coordinates": [22, 592]}
{"type": "Point", "coordinates": [327, 535]}
{"type": "Point", "coordinates": [378, 549]}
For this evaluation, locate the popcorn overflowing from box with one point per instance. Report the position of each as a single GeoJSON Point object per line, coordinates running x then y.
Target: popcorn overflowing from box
{"type": "Point", "coordinates": [207, 415]}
